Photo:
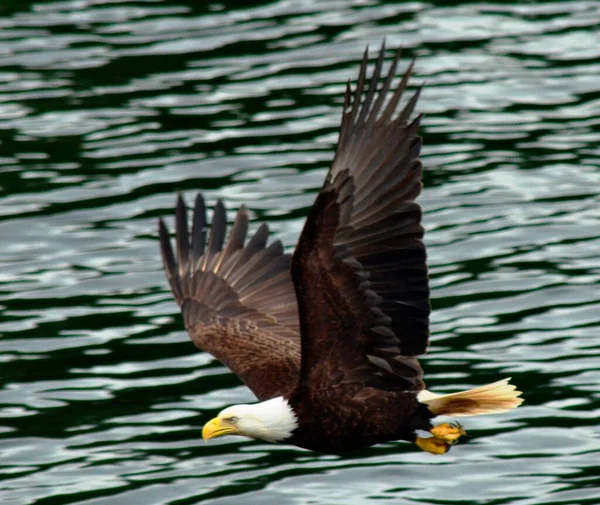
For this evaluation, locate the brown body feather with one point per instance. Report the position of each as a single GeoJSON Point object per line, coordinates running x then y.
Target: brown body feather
{"type": "Point", "coordinates": [336, 330]}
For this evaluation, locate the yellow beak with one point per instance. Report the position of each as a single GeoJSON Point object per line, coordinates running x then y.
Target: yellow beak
{"type": "Point", "coordinates": [214, 428]}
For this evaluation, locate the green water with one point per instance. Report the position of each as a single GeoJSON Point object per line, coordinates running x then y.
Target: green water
{"type": "Point", "coordinates": [108, 108]}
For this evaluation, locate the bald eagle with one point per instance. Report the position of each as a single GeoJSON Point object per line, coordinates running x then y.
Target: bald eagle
{"type": "Point", "coordinates": [328, 339]}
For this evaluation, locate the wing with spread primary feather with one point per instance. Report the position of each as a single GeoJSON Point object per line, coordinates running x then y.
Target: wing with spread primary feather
{"type": "Point", "coordinates": [360, 266]}
{"type": "Point", "coordinates": [237, 299]}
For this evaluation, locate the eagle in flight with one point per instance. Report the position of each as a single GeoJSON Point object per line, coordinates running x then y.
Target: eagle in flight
{"type": "Point", "coordinates": [328, 338]}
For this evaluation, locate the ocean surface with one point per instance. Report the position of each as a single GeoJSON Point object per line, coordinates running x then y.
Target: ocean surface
{"type": "Point", "coordinates": [108, 108]}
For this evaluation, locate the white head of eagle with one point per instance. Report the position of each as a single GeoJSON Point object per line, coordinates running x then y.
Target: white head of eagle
{"type": "Point", "coordinates": [272, 421]}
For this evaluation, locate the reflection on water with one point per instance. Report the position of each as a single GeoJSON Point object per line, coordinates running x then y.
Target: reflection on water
{"type": "Point", "coordinates": [108, 108]}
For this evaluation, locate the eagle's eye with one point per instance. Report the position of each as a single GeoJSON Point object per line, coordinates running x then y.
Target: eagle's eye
{"type": "Point", "coordinates": [232, 420]}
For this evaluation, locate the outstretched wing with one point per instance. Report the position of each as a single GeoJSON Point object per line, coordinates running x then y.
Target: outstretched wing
{"type": "Point", "coordinates": [360, 266]}
{"type": "Point", "coordinates": [237, 300]}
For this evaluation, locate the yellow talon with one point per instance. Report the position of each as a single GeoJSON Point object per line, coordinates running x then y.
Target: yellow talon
{"type": "Point", "coordinates": [448, 432]}
{"type": "Point", "coordinates": [432, 445]}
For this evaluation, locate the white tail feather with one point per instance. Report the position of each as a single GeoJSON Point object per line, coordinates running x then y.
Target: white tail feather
{"type": "Point", "coordinates": [490, 399]}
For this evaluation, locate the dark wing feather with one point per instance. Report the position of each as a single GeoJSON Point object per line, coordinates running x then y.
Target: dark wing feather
{"type": "Point", "coordinates": [237, 301]}
{"type": "Point", "coordinates": [360, 266]}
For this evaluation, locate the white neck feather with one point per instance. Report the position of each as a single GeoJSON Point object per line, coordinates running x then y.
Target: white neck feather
{"type": "Point", "coordinates": [279, 418]}
{"type": "Point", "coordinates": [272, 420]}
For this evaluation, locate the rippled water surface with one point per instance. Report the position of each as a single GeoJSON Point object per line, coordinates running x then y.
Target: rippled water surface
{"type": "Point", "coordinates": [108, 108]}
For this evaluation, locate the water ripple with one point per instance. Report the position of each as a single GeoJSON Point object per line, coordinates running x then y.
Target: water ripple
{"type": "Point", "coordinates": [109, 108]}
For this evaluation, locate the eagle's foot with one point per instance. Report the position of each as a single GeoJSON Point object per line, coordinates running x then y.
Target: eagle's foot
{"type": "Point", "coordinates": [448, 432]}
{"type": "Point", "coordinates": [444, 435]}
{"type": "Point", "coordinates": [433, 445]}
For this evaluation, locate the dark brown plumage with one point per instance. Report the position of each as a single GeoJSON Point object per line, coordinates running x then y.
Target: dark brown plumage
{"type": "Point", "coordinates": [335, 330]}
{"type": "Point", "coordinates": [238, 302]}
